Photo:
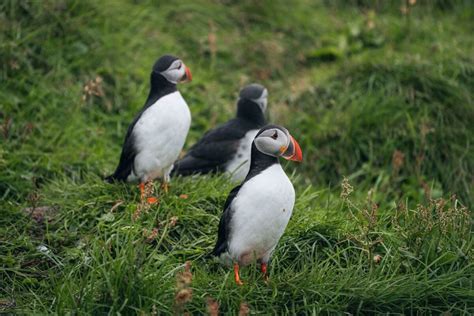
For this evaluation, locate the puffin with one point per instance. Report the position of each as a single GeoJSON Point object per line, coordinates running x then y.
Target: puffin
{"type": "Point", "coordinates": [157, 134]}
{"type": "Point", "coordinates": [227, 147]}
{"type": "Point", "coordinates": [257, 211]}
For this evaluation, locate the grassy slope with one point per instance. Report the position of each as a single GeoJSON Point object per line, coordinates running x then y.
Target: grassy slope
{"type": "Point", "coordinates": [356, 97]}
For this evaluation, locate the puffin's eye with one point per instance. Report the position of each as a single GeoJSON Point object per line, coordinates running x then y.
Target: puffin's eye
{"type": "Point", "coordinates": [275, 135]}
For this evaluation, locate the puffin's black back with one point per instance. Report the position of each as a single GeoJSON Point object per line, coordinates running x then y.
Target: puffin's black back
{"type": "Point", "coordinates": [159, 87]}
{"type": "Point", "coordinates": [219, 145]}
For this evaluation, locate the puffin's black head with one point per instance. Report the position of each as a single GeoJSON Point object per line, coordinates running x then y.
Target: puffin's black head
{"type": "Point", "coordinates": [255, 93]}
{"type": "Point", "coordinates": [252, 103]}
{"type": "Point", "coordinates": [172, 69]}
{"type": "Point", "coordinates": [276, 141]}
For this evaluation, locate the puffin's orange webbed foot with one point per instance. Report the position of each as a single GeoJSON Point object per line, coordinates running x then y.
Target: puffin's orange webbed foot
{"type": "Point", "coordinates": [263, 268]}
{"type": "Point", "coordinates": [236, 274]}
{"type": "Point", "coordinates": [141, 186]}
{"type": "Point", "coordinates": [145, 190]}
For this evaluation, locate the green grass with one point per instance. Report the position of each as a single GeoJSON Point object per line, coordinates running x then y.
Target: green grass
{"type": "Point", "coordinates": [382, 97]}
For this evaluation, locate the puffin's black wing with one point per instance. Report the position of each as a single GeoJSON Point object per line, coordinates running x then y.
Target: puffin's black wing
{"type": "Point", "coordinates": [213, 150]}
{"type": "Point", "coordinates": [127, 157]}
{"type": "Point", "coordinates": [224, 224]}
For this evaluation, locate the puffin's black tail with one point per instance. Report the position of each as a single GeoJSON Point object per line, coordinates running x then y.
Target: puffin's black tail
{"type": "Point", "coordinates": [209, 255]}
{"type": "Point", "coordinates": [110, 179]}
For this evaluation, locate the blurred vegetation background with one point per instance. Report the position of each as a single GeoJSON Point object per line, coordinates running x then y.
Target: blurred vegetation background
{"type": "Point", "coordinates": [379, 92]}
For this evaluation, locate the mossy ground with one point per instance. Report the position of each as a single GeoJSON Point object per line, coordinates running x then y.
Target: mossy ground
{"type": "Point", "coordinates": [378, 92]}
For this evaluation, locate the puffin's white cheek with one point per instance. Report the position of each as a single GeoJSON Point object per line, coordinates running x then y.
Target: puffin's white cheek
{"type": "Point", "coordinates": [267, 145]}
{"type": "Point", "coordinates": [263, 105]}
{"type": "Point", "coordinates": [174, 75]}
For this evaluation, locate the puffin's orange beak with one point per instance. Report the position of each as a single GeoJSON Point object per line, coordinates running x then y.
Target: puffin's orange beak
{"type": "Point", "coordinates": [187, 75]}
{"type": "Point", "coordinates": [293, 151]}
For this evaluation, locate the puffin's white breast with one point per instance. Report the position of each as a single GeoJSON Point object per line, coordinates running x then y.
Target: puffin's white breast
{"type": "Point", "coordinates": [262, 209]}
{"type": "Point", "coordinates": [159, 135]}
{"type": "Point", "coordinates": [239, 166]}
